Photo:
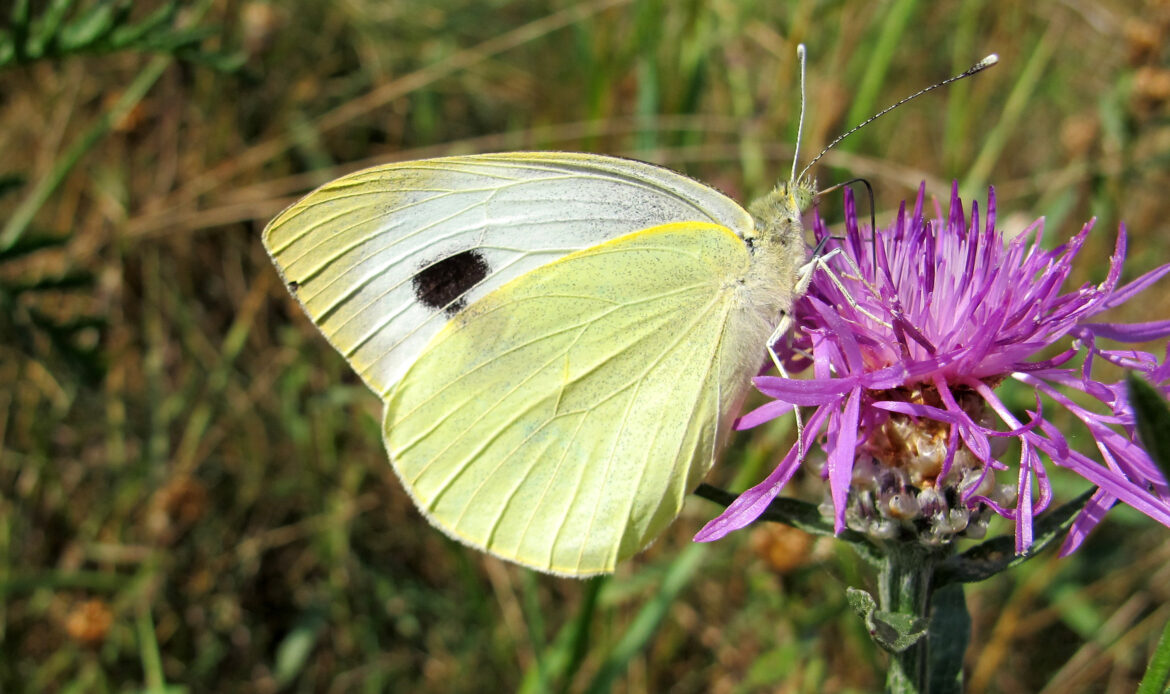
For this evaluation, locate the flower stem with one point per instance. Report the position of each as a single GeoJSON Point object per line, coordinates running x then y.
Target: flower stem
{"type": "Point", "coordinates": [907, 590]}
{"type": "Point", "coordinates": [904, 588]}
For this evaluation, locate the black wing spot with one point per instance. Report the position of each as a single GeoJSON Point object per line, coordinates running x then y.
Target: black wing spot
{"type": "Point", "coordinates": [294, 286]}
{"type": "Point", "coordinates": [441, 286]}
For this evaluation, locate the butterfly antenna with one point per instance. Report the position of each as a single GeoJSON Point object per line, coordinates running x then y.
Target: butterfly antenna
{"type": "Point", "coordinates": [872, 213]}
{"type": "Point", "coordinates": [976, 68]}
{"type": "Point", "coordinates": [800, 54]}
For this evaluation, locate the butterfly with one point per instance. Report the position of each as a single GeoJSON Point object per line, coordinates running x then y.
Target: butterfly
{"type": "Point", "coordinates": [561, 341]}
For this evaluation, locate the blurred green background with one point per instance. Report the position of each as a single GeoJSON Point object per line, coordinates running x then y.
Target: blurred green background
{"type": "Point", "coordinates": [193, 491]}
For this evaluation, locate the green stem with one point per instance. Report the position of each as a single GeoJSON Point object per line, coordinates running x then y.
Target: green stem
{"type": "Point", "coordinates": [921, 621]}
{"type": "Point", "coordinates": [905, 588]}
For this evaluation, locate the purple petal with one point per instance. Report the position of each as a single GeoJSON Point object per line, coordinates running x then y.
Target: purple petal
{"type": "Point", "coordinates": [849, 346]}
{"type": "Point", "coordinates": [749, 505]}
{"type": "Point", "coordinates": [764, 413]}
{"type": "Point", "coordinates": [1130, 290]}
{"type": "Point", "coordinates": [804, 392]}
{"type": "Point", "coordinates": [973, 435]}
{"type": "Point", "coordinates": [1130, 332]}
{"type": "Point", "coordinates": [1086, 520]}
{"type": "Point", "coordinates": [843, 439]}
{"type": "Point", "coordinates": [1024, 502]}
{"type": "Point", "coordinates": [1059, 360]}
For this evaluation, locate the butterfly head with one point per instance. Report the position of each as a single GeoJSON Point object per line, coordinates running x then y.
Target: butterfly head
{"type": "Point", "coordinates": [778, 214]}
{"type": "Point", "coordinates": [800, 193]}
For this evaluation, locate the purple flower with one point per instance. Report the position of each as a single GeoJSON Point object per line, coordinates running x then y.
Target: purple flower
{"type": "Point", "coordinates": [904, 381]}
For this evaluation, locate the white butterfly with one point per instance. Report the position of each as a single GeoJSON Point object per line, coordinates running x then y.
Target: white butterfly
{"type": "Point", "coordinates": [561, 340]}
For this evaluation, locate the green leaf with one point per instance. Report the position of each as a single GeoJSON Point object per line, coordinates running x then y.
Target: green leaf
{"type": "Point", "coordinates": [801, 515]}
{"type": "Point", "coordinates": [20, 26]}
{"type": "Point", "coordinates": [999, 554]}
{"type": "Point", "coordinates": [66, 27]}
{"type": "Point", "coordinates": [93, 24]}
{"type": "Point", "coordinates": [861, 602]}
{"type": "Point", "coordinates": [47, 28]}
{"type": "Point", "coordinates": [1153, 420]}
{"type": "Point", "coordinates": [1158, 673]}
{"type": "Point", "coordinates": [293, 652]}
{"type": "Point", "coordinates": [950, 632]}
{"type": "Point", "coordinates": [132, 33]}
{"type": "Point", "coordinates": [893, 631]}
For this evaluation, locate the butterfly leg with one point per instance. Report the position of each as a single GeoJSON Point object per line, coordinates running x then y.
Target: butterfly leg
{"type": "Point", "coordinates": [819, 263]}
{"type": "Point", "coordinates": [803, 280]}
{"type": "Point", "coordinates": [782, 329]}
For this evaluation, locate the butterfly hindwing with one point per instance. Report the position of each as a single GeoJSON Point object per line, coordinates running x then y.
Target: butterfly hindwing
{"type": "Point", "coordinates": [383, 258]}
{"type": "Point", "coordinates": [560, 420]}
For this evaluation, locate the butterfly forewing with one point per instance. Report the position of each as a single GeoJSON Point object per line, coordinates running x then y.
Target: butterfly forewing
{"type": "Point", "coordinates": [559, 421]}
{"type": "Point", "coordinates": [383, 258]}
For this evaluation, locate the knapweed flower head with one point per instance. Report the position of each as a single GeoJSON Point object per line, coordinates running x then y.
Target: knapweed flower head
{"type": "Point", "coordinates": [910, 336]}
